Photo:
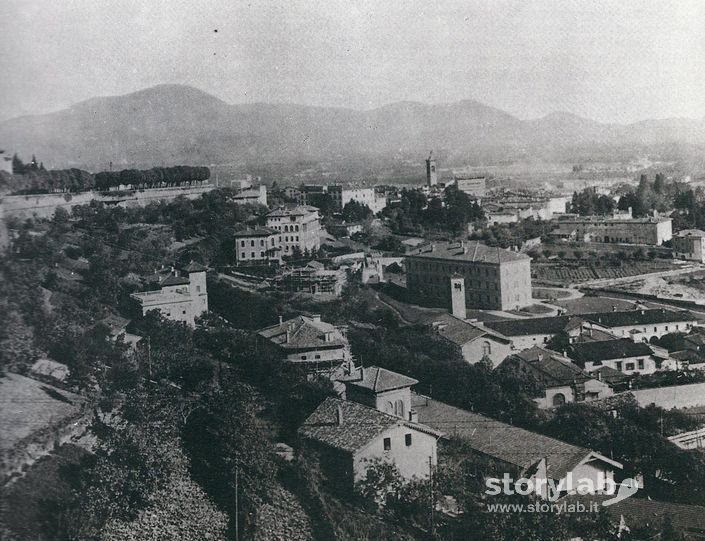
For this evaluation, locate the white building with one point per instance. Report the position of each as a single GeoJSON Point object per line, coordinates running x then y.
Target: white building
{"type": "Point", "coordinates": [342, 195]}
{"type": "Point", "coordinates": [300, 228]}
{"type": "Point", "coordinates": [689, 244]}
{"type": "Point", "coordinates": [180, 297]}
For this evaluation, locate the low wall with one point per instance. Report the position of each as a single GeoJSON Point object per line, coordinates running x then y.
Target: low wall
{"type": "Point", "coordinates": [44, 205]}
{"type": "Point", "coordinates": [676, 396]}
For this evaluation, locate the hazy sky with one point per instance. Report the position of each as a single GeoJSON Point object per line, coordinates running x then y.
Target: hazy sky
{"type": "Point", "coordinates": [621, 60]}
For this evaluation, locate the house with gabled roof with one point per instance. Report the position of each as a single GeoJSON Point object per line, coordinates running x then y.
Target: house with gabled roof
{"type": "Point", "coordinates": [472, 340]}
{"type": "Point", "coordinates": [382, 389]}
{"type": "Point", "coordinates": [624, 355]}
{"type": "Point", "coordinates": [524, 453]}
{"type": "Point", "coordinates": [180, 296]}
{"type": "Point", "coordinates": [309, 342]}
{"type": "Point", "coordinates": [350, 436]}
{"type": "Point", "coordinates": [561, 381]}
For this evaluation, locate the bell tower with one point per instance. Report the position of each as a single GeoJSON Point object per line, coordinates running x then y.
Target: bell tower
{"type": "Point", "coordinates": [431, 171]}
{"type": "Point", "coordinates": [457, 296]}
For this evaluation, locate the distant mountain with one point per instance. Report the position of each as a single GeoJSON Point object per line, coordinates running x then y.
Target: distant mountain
{"type": "Point", "coordinates": [173, 124]}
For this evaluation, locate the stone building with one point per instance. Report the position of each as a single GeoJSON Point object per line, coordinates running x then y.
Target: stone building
{"type": "Point", "coordinates": [300, 227]}
{"type": "Point", "coordinates": [258, 246]}
{"type": "Point", "coordinates": [311, 343]}
{"type": "Point", "coordinates": [653, 231]}
{"type": "Point", "coordinates": [342, 195]}
{"type": "Point", "coordinates": [180, 297]}
{"type": "Point", "coordinates": [494, 278]}
{"type": "Point", "coordinates": [431, 170]}
{"type": "Point", "coordinates": [689, 244]}
{"type": "Point", "coordinates": [472, 186]}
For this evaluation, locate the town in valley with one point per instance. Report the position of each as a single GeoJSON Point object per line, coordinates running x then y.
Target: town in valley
{"type": "Point", "coordinates": [414, 321]}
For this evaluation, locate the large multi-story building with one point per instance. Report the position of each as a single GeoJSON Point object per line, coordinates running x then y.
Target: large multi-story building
{"type": "Point", "coordinates": [259, 246]}
{"type": "Point", "coordinates": [300, 227]}
{"type": "Point", "coordinates": [690, 244]}
{"type": "Point", "coordinates": [652, 230]}
{"type": "Point", "coordinates": [473, 186]}
{"type": "Point", "coordinates": [342, 195]}
{"type": "Point", "coordinates": [180, 297]}
{"type": "Point", "coordinates": [495, 279]}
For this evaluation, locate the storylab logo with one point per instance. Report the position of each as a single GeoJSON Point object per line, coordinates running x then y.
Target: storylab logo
{"type": "Point", "coordinates": [550, 490]}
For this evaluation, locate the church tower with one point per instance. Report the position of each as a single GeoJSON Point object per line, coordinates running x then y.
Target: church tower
{"type": "Point", "coordinates": [431, 172]}
{"type": "Point", "coordinates": [457, 296]}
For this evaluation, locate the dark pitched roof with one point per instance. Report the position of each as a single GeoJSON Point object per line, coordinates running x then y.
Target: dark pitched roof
{"type": "Point", "coordinates": [690, 233]}
{"type": "Point", "coordinates": [639, 317]}
{"type": "Point", "coordinates": [608, 349]}
{"type": "Point", "coordinates": [469, 251]}
{"type": "Point", "coordinates": [360, 424]}
{"type": "Point", "coordinates": [501, 441]}
{"type": "Point", "coordinates": [256, 232]}
{"type": "Point", "coordinates": [304, 332]}
{"type": "Point", "coordinates": [609, 375]}
{"type": "Point", "coordinates": [459, 331]}
{"type": "Point", "coordinates": [175, 281]}
{"type": "Point", "coordinates": [524, 327]}
{"type": "Point", "coordinates": [194, 267]}
{"type": "Point", "coordinates": [643, 512]}
{"type": "Point", "coordinates": [559, 369]}
{"type": "Point", "coordinates": [378, 380]}
{"type": "Point", "coordinates": [115, 323]}
{"type": "Point", "coordinates": [554, 325]}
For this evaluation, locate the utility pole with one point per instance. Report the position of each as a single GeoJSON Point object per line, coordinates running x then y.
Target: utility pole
{"type": "Point", "coordinates": [149, 356]}
{"type": "Point", "coordinates": [237, 509]}
{"type": "Point", "coordinates": [430, 489]}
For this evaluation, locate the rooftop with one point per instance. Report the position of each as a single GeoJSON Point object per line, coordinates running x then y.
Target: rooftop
{"type": "Point", "coordinates": [301, 210]}
{"type": "Point", "coordinates": [194, 267]}
{"type": "Point", "coordinates": [553, 365]}
{"type": "Point", "coordinates": [173, 280]}
{"type": "Point", "coordinates": [303, 332]}
{"type": "Point", "coordinates": [690, 233]}
{"type": "Point", "coordinates": [360, 424]}
{"type": "Point", "coordinates": [468, 251]}
{"type": "Point", "coordinates": [460, 332]}
{"type": "Point", "coordinates": [378, 380]}
{"type": "Point", "coordinates": [501, 441]}
{"type": "Point", "coordinates": [608, 349]}
{"type": "Point", "coordinates": [556, 324]}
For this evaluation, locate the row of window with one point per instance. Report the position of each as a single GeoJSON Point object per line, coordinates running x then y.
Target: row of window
{"type": "Point", "coordinates": [460, 269]}
{"type": "Point", "coordinates": [388, 442]}
{"type": "Point", "coordinates": [629, 366]}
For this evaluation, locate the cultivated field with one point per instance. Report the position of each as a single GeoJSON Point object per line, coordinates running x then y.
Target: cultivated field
{"type": "Point", "coordinates": [575, 273]}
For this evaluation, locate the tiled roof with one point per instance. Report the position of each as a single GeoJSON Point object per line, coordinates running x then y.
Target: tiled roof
{"type": "Point", "coordinates": [608, 349]}
{"type": "Point", "coordinates": [639, 317]}
{"type": "Point", "coordinates": [378, 380]}
{"type": "Point", "coordinates": [301, 210]}
{"type": "Point", "coordinates": [175, 281]}
{"type": "Point", "coordinates": [256, 232]}
{"type": "Point", "coordinates": [460, 332]}
{"type": "Point", "coordinates": [194, 267]}
{"type": "Point", "coordinates": [523, 327]}
{"type": "Point", "coordinates": [115, 323]}
{"type": "Point", "coordinates": [360, 424]}
{"type": "Point", "coordinates": [609, 375]}
{"type": "Point", "coordinates": [554, 325]}
{"type": "Point", "coordinates": [469, 251]}
{"type": "Point", "coordinates": [498, 440]}
{"type": "Point", "coordinates": [641, 512]}
{"type": "Point", "coordinates": [553, 365]}
{"type": "Point", "coordinates": [690, 233]}
{"type": "Point", "coordinates": [304, 332]}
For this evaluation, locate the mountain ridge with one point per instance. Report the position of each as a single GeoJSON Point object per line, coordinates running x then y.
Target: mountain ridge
{"type": "Point", "coordinates": [169, 124]}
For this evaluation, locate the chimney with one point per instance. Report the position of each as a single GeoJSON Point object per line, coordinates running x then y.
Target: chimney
{"type": "Point", "coordinates": [281, 320]}
{"type": "Point", "coordinates": [288, 335]}
{"type": "Point", "coordinates": [433, 246]}
{"type": "Point", "coordinates": [339, 415]}
{"type": "Point", "coordinates": [316, 318]}
{"type": "Point", "coordinates": [599, 375]}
